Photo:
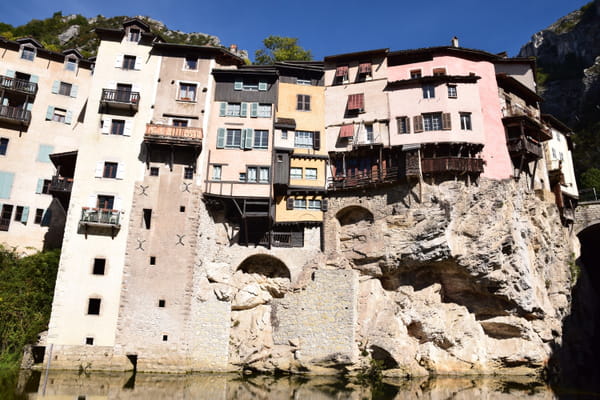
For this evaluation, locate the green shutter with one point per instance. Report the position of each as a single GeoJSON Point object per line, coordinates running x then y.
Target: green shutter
{"type": "Point", "coordinates": [55, 87]}
{"type": "Point", "coordinates": [262, 86]}
{"type": "Point", "coordinates": [74, 90]}
{"type": "Point", "coordinates": [244, 110]}
{"type": "Point", "coordinates": [6, 181]}
{"type": "Point", "coordinates": [223, 109]}
{"type": "Point", "coordinates": [249, 139]}
{"type": "Point", "coordinates": [10, 73]}
{"type": "Point", "coordinates": [49, 113]}
{"type": "Point", "coordinates": [220, 138]}
{"type": "Point", "coordinates": [25, 215]}
{"type": "Point", "coordinates": [68, 117]}
{"type": "Point", "coordinates": [44, 152]}
{"type": "Point", "coordinates": [238, 85]}
{"type": "Point", "coordinates": [40, 186]}
{"type": "Point", "coordinates": [243, 138]}
{"type": "Point", "coordinates": [34, 79]}
{"type": "Point", "coordinates": [29, 106]}
{"type": "Point", "coordinates": [254, 110]}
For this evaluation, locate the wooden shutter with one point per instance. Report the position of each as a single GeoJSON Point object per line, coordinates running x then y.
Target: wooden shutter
{"type": "Point", "coordinates": [407, 124]}
{"type": "Point", "coordinates": [243, 110]}
{"type": "Point", "coordinates": [317, 140]}
{"type": "Point", "coordinates": [40, 186]}
{"type": "Point", "coordinates": [29, 106]}
{"type": "Point", "coordinates": [74, 90]}
{"type": "Point", "coordinates": [49, 113]}
{"type": "Point", "coordinates": [118, 204]}
{"type": "Point", "coordinates": [220, 138]}
{"type": "Point", "coordinates": [68, 117]}
{"type": "Point", "coordinates": [6, 181]}
{"type": "Point", "coordinates": [120, 171]}
{"type": "Point", "coordinates": [262, 86]}
{"type": "Point", "coordinates": [238, 85]}
{"type": "Point", "coordinates": [418, 123]}
{"type": "Point", "coordinates": [99, 169]}
{"type": "Point", "coordinates": [25, 215]}
{"type": "Point", "coordinates": [119, 61]}
{"type": "Point", "coordinates": [223, 109]}
{"type": "Point", "coordinates": [138, 63]}
{"type": "Point", "coordinates": [324, 205]}
{"type": "Point", "coordinates": [249, 138]}
{"type": "Point", "coordinates": [128, 128]}
{"type": "Point", "coordinates": [55, 86]}
{"type": "Point", "coordinates": [253, 110]}
{"type": "Point", "coordinates": [446, 121]}
{"type": "Point", "coordinates": [289, 203]}
{"type": "Point", "coordinates": [10, 73]}
{"type": "Point", "coordinates": [34, 79]}
{"type": "Point", "coordinates": [106, 125]}
{"type": "Point", "coordinates": [92, 201]}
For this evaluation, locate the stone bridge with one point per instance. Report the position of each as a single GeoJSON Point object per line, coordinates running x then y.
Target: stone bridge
{"type": "Point", "coordinates": [587, 214]}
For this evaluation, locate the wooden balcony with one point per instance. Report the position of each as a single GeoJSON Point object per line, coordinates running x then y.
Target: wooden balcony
{"type": "Point", "coordinates": [527, 121]}
{"type": "Point", "coordinates": [526, 147]}
{"type": "Point", "coordinates": [120, 99]}
{"type": "Point", "coordinates": [60, 184]}
{"type": "Point", "coordinates": [18, 85]}
{"type": "Point", "coordinates": [168, 134]}
{"type": "Point", "coordinates": [364, 179]}
{"type": "Point", "coordinates": [15, 115]}
{"type": "Point", "coordinates": [451, 164]}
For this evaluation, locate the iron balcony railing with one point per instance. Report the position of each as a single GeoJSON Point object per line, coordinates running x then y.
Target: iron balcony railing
{"type": "Point", "coordinates": [451, 164]}
{"type": "Point", "coordinates": [60, 184]}
{"type": "Point", "coordinates": [18, 85]}
{"type": "Point", "coordinates": [15, 114]}
{"type": "Point", "coordinates": [176, 132]}
{"type": "Point", "coordinates": [120, 96]}
{"type": "Point", "coordinates": [100, 216]}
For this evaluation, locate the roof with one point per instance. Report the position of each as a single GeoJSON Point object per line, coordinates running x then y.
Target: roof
{"type": "Point", "coordinates": [422, 54]}
{"type": "Point", "coordinates": [508, 82]}
{"type": "Point", "coordinates": [434, 79]}
{"type": "Point", "coordinates": [356, 55]}
{"type": "Point", "coordinates": [197, 49]}
{"type": "Point", "coordinates": [45, 53]}
{"type": "Point", "coordinates": [556, 124]}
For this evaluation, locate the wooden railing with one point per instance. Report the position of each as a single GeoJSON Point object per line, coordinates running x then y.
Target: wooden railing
{"type": "Point", "coordinates": [100, 216]}
{"type": "Point", "coordinates": [15, 114]}
{"type": "Point", "coordinates": [525, 145]}
{"type": "Point", "coordinates": [120, 96]}
{"type": "Point", "coordinates": [19, 85]}
{"type": "Point", "coordinates": [178, 132]}
{"type": "Point", "coordinates": [60, 184]}
{"type": "Point", "coordinates": [515, 111]}
{"type": "Point", "coordinates": [364, 178]}
{"type": "Point", "coordinates": [451, 164]}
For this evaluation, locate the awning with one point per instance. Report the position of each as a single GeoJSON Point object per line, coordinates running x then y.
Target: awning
{"type": "Point", "coordinates": [347, 130]}
{"type": "Point", "coordinates": [364, 68]}
{"type": "Point", "coordinates": [356, 101]}
{"type": "Point", "coordinates": [285, 123]}
{"type": "Point", "coordinates": [342, 70]}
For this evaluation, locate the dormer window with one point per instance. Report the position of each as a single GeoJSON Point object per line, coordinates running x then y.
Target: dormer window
{"type": "Point", "coordinates": [341, 75]}
{"type": "Point", "coordinates": [28, 53]}
{"type": "Point", "coordinates": [134, 35]}
{"type": "Point", "coordinates": [70, 64]}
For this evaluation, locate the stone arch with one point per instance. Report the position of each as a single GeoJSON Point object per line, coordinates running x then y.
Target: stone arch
{"type": "Point", "coordinates": [384, 357]}
{"type": "Point", "coordinates": [266, 265]}
{"type": "Point", "coordinates": [354, 214]}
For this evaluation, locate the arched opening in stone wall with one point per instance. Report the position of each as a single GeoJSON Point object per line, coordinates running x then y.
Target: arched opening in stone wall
{"type": "Point", "coordinates": [356, 237]}
{"type": "Point", "coordinates": [353, 215]}
{"type": "Point", "coordinates": [384, 357]}
{"type": "Point", "coordinates": [266, 265]}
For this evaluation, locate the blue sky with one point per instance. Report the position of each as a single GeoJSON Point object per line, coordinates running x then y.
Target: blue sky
{"type": "Point", "coordinates": [330, 27]}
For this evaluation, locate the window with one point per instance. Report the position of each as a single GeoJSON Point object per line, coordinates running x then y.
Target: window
{"type": "Point", "coordinates": [233, 109]}
{"type": "Point", "coordinates": [310, 174]}
{"type": "Point", "coordinates": [191, 63]}
{"type": "Point", "coordinates": [19, 213]}
{"type": "Point", "coordinates": [439, 71]}
{"type": "Point", "coordinates": [188, 173]}
{"type": "Point", "coordinates": [403, 125]}
{"type": "Point", "coordinates": [261, 139]}
{"type": "Point", "coordinates": [117, 127]}
{"type": "Point", "coordinates": [341, 75]}
{"type": "Point", "coordinates": [216, 172]}
{"type": "Point", "coordinates": [5, 217]}
{"type": "Point", "coordinates": [105, 202]}
{"type": "Point", "coordinates": [303, 139]}
{"type": "Point", "coordinates": [432, 122]}
{"type": "Point", "coordinates": [299, 204]}
{"type": "Point", "coordinates": [65, 89]}
{"type": "Point", "coordinates": [152, 260]}
{"type": "Point", "coordinates": [110, 170]}
{"type": "Point", "coordinates": [263, 174]}
{"type": "Point", "coordinates": [415, 74]}
{"type": "Point", "coordinates": [452, 92]}
{"type": "Point", "coordinates": [187, 91]}
{"type": "Point", "coordinates": [242, 177]}
{"type": "Point", "coordinates": [3, 146]}
{"type": "Point", "coordinates": [250, 86]}
{"type": "Point", "coordinates": [128, 62]}
{"type": "Point", "coordinates": [356, 102]}
{"type": "Point", "coordinates": [465, 121]}
{"type": "Point", "coordinates": [295, 173]}
{"type": "Point", "coordinates": [428, 91]}
{"type": "Point", "coordinates": [28, 53]}
{"type": "Point", "coordinates": [264, 111]}
{"type": "Point", "coordinates": [181, 208]}
{"type": "Point", "coordinates": [89, 341]}
{"type": "Point", "coordinates": [364, 71]}
{"type": "Point", "coordinates": [59, 115]}
{"type": "Point", "coordinates": [99, 266]}
{"type": "Point", "coordinates": [303, 102]}
{"type": "Point", "coordinates": [94, 306]}
{"type": "Point", "coordinates": [233, 138]}
{"type": "Point", "coordinates": [162, 303]}
{"type": "Point", "coordinates": [306, 82]}
{"type": "Point", "coordinates": [46, 186]}
{"type": "Point", "coordinates": [147, 217]}
{"type": "Point", "coordinates": [251, 174]}
{"type": "Point", "coordinates": [70, 64]}
{"type": "Point", "coordinates": [165, 338]}
{"type": "Point", "coordinates": [180, 122]}
{"type": "Point", "coordinates": [314, 204]}
{"type": "Point", "coordinates": [369, 132]}
{"type": "Point", "coordinates": [134, 35]}
{"type": "Point", "coordinates": [154, 171]}
{"type": "Point", "coordinates": [39, 215]}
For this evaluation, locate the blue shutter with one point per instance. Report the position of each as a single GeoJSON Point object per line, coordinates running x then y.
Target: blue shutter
{"type": "Point", "coordinates": [10, 73]}
{"type": "Point", "coordinates": [223, 109]}
{"type": "Point", "coordinates": [254, 110]}
{"type": "Point", "coordinates": [74, 90]}
{"type": "Point", "coordinates": [6, 181]}
{"type": "Point", "coordinates": [47, 218]}
{"type": "Point", "coordinates": [68, 117]}
{"type": "Point", "coordinates": [238, 85]}
{"type": "Point", "coordinates": [244, 110]}
{"type": "Point", "coordinates": [34, 79]}
{"type": "Point", "coordinates": [25, 215]}
{"type": "Point", "coordinates": [29, 106]}
{"type": "Point", "coordinates": [243, 138]}
{"type": "Point", "coordinates": [44, 152]}
{"type": "Point", "coordinates": [220, 138]}
{"type": "Point", "coordinates": [55, 86]}
{"type": "Point", "coordinates": [49, 113]}
{"type": "Point", "coordinates": [40, 186]}
{"type": "Point", "coordinates": [262, 86]}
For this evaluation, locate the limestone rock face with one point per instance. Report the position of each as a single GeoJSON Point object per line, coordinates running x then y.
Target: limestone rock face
{"type": "Point", "coordinates": [69, 34]}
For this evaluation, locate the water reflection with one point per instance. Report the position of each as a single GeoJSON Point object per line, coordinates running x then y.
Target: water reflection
{"type": "Point", "coordinates": [96, 386]}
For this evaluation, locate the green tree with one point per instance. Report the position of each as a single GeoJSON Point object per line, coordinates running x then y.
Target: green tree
{"type": "Point", "coordinates": [278, 48]}
{"type": "Point", "coordinates": [591, 178]}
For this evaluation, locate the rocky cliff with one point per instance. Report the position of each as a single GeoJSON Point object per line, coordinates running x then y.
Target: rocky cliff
{"type": "Point", "coordinates": [465, 280]}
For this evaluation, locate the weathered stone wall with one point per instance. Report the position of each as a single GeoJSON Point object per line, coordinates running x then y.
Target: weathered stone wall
{"type": "Point", "coordinates": [586, 215]}
{"type": "Point", "coordinates": [320, 319]}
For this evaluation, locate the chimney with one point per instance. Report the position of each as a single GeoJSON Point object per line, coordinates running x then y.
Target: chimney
{"type": "Point", "coordinates": [454, 41]}
{"type": "Point", "coordinates": [233, 48]}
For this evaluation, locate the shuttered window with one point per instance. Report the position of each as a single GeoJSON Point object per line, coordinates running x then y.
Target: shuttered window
{"type": "Point", "coordinates": [356, 102]}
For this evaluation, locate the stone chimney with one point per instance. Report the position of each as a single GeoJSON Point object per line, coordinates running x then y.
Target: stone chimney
{"type": "Point", "coordinates": [454, 41]}
{"type": "Point", "coordinates": [233, 48]}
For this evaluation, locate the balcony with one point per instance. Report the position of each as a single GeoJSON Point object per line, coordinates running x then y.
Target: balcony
{"type": "Point", "coordinates": [527, 122]}
{"type": "Point", "coordinates": [526, 147]}
{"type": "Point", "coordinates": [61, 184]}
{"type": "Point", "coordinates": [451, 164]}
{"type": "Point", "coordinates": [364, 179]}
{"type": "Point", "coordinates": [283, 239]}
{"type": "Point", "coordinates": [168, 134]}
{"type": "Point", "coordinates": [15, 115]}
{"type": "Point", "coordinates": [18, 85]}
{"type": "Point", "coordinates": [98, 220]}
{"type": "Point", "coordinates": [120, 99]}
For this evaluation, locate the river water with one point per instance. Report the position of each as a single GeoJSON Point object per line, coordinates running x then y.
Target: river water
{"type": "Point", "coordinates": [95, 386]}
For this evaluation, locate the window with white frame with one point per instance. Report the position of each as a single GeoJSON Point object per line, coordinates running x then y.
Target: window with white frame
{"type": "Point", "coordinates": [310, 174]}
{"type": "Point", "coordinates": [233, 109]}
{"type": "Point", "coordinates": [452, 94]}
{"type": "Point", "coordinates": [306, 82]}
{"type": "Point", "coordinates": [117, 127]}
{"type": "Point", "coordinates": [264, 110]}
{"type": "Point", "coordinates": [134, 35]}
{"type": "Point", "coordinates": [59, 115]}
{"type": "Point", "coordinates": [295, 173]}
{"type": "Point", "coordinates": [251, 174]}
{"type": "Point", "coordinates": [187, 91]}
{"type": "Point", "coordinates": [432, 122]}
{"type": "Point", "coordinates": [180, 122]}
{"type": "Point", "coordinates": [303, 139]}
{"type": "Point", "coordinates": [128, 62]}
{"type": "Point", "coordinates": [233, 138]}
{"type": "Point", "coordinates": [216, 172]}
{"type": "Point", "coordinates": [369, 132]}
{"type": "Point", "coordinates": [261, 139]}
{"type": "Point", "coordinates": [65, 88]}
{"type": "Point", "coordinates": [303, 102]}
{"type": "Point", "coordinates": [191, 63]}
{"type": "Point", "coordinates": [28, 53]}
{"type": "Point", "coordinates": [299, 204]}
{"type": "Point", "coordinates": [263, 174]}
{"type": "Point", "coordinates": [465, 121]}
{"type": "Point", "coordinates": [314, 204]}
{"type": "Point", "coordinates": [70, 64]}
{"type": "Point", "coordinates": [428, 91]}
